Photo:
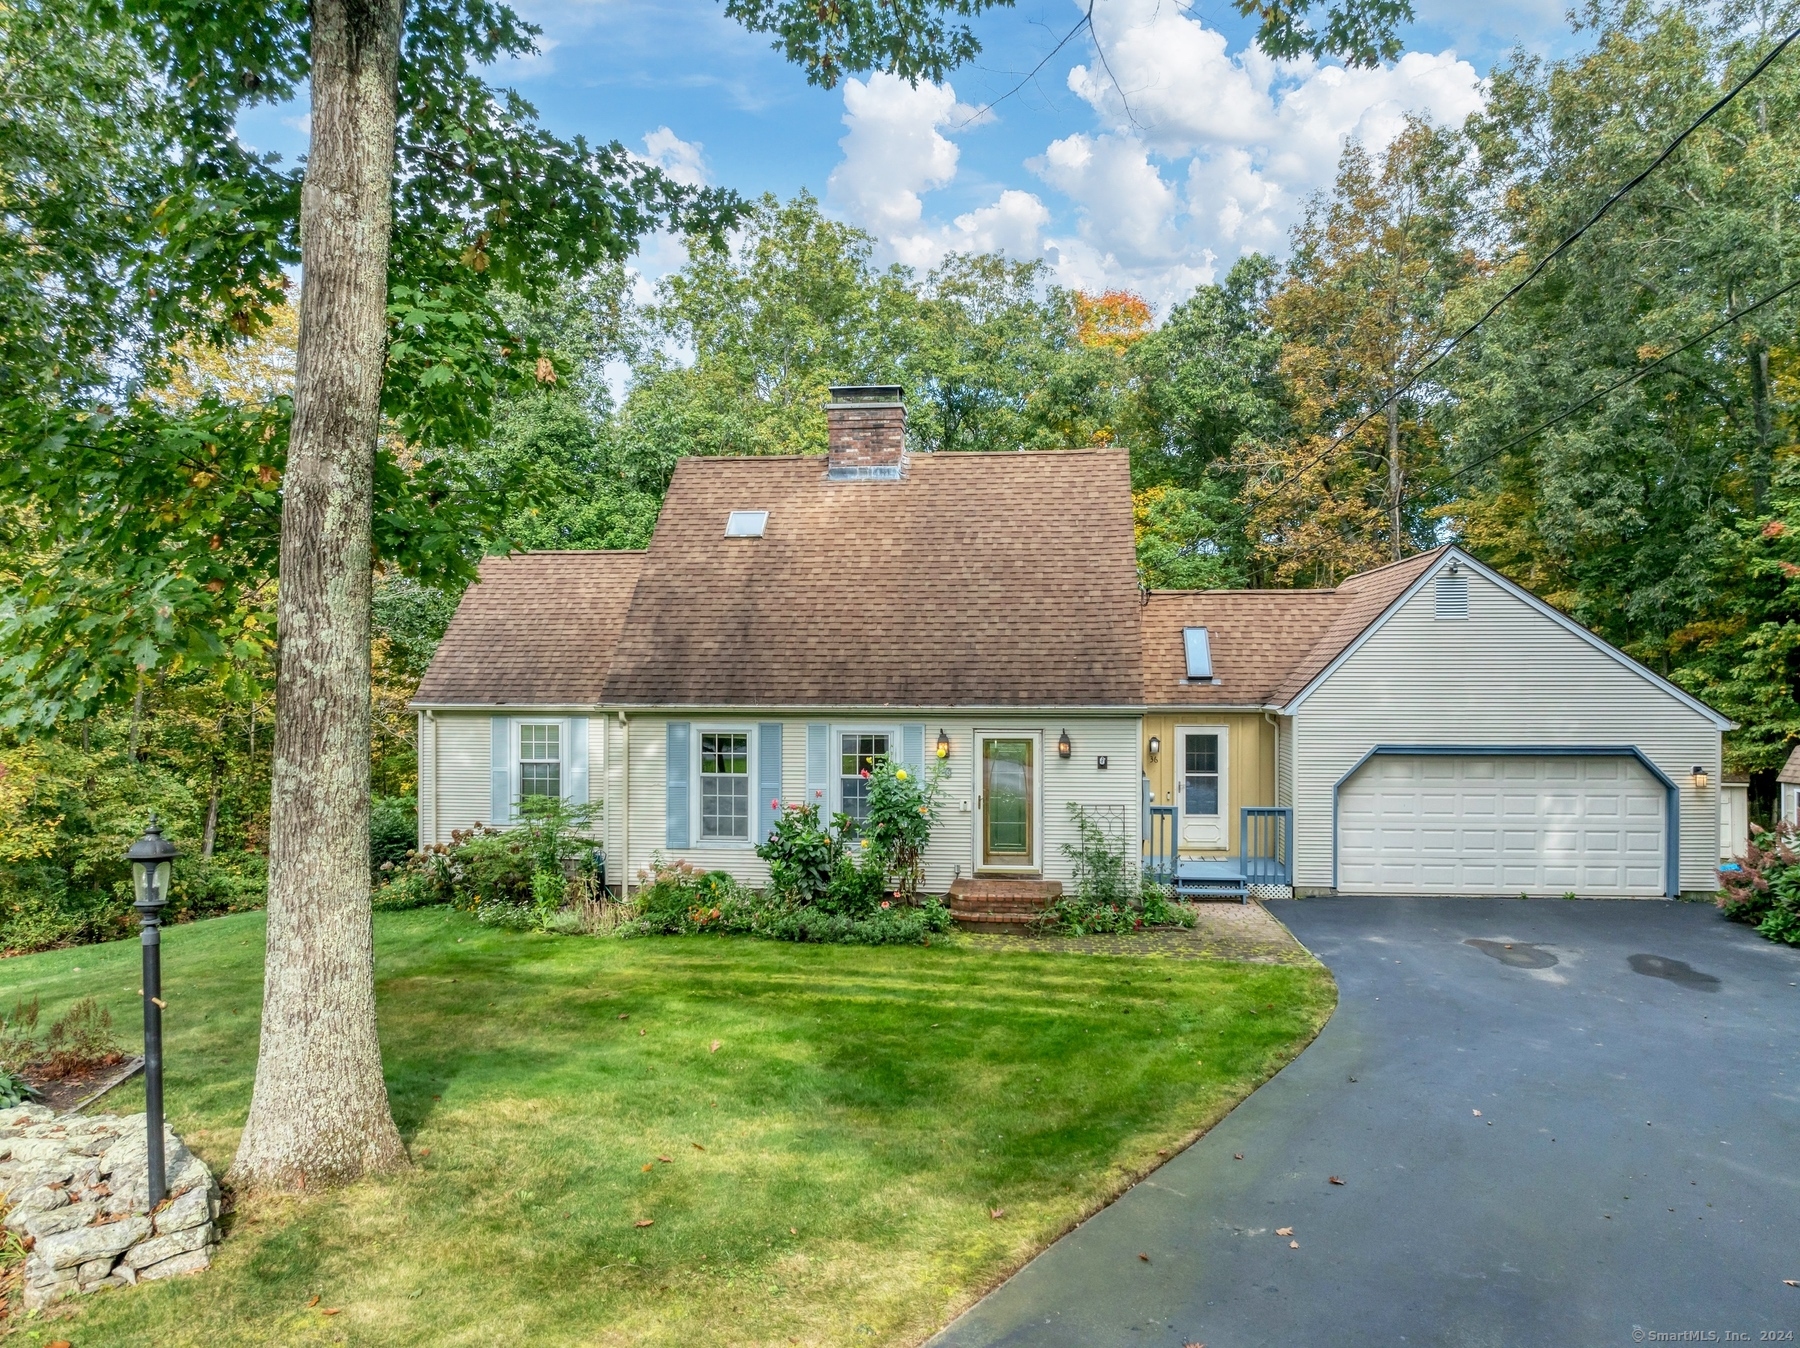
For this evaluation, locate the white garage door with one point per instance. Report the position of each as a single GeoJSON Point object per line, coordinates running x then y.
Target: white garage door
{"type": "Point", "coordinates": [1501, 824]}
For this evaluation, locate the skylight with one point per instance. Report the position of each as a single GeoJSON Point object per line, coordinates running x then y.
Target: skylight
{"type": "Point", "coordinates": [746, 523]}
{"type": "Point", "coordinates": [1199, 652]}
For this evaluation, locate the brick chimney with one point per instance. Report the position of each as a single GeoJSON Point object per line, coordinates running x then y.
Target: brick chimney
{"type": "Point", "coordinates": [867, 425]}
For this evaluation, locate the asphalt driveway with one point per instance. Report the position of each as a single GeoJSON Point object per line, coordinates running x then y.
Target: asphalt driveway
{"type": "Point", "coordinates": [1556, 1122]}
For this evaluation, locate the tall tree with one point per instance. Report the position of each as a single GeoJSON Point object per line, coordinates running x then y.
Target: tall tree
{"type": "Point", "coordinates": [1360, 312]}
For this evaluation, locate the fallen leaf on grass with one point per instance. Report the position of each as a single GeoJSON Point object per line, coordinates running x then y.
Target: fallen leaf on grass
{"type": "Point", "coordinates": [793, 1230]}
{"type": "Point", "coordinates": [1161, 1151]}
{"type": "Point", "coordinates": [997, 1213]}
{"type": "Point", "coordinates": [645, 1221]}
{"type": "Point", "coordinates": [424, 1152]}
{"type": "Point", "coordinates": [58, 1343]}
{"type": "Point", "coordinates": [649, 1166]}
{"type": "Point", "coordinates": [1336, 1180]}
{"type": "Point", "coordinates": [715, 1047]}
{"type": "Point", "coordinates": [624, 1015]}
{"type": "Point", "coordinates": [1284, 1230]}
{"type": "Point", "coordinates": [330, 1310]}
{"type": "Point", "coordinates": [313, 1302]}
{"type": "Point", "coordinates": [642, 1033]}
{"type": "Point", "coordinates": [697, 1147]}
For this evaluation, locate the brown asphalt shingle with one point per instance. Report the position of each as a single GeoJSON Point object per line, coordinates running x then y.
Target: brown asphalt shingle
{"type": "Point", "coordinates": [976, 580]}
{"type": "Point", "coordinates": [538, 629]}
{"type": "Point", "coordinates": [1266, 644]}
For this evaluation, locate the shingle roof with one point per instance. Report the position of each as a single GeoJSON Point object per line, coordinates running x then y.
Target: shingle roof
{"type": "Point", "coordinates": [538, 629]}
{"type": "Point", "coordinates": [1257, 638]}
{"type": "Point", "coordinates": [976, 580]}
{"type": "Point", "coordinates": [1790, 770]}
{"type": "Point", "coordinates": [1266, 644]}
{"type": "Point", "coordinates": [1364, 598]}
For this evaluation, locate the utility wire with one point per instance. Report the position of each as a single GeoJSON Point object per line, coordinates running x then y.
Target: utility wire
{"type": "Point", "coordinates": [1085, 21]}
{"type": "Point", "coordinates": [1631, 378]}
{"type": "Point", "coordinates": [1548, 258]}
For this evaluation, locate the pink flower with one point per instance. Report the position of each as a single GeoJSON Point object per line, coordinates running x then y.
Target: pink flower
{"type": "Point", "coordinates": [863, 773]}
{"type": "Point", "coordinates": [774, 805]}
{"type": "Point", "coordinates": [884, 903]}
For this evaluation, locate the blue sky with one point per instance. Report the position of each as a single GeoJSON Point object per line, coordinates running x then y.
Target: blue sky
{"type": "Point", "coordinates": [1210, 152]}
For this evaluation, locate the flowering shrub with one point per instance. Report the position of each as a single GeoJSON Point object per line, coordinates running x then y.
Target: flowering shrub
{"type": "Point", "coordinates": [802, 854]}
{"type": "Point", "coordinates": [679, 899]}
{"type": "Point", "coordinates": [902, 812]}
{"type": "Point", "coordinates": [517, 877]}
{"type": "Point", "coordinates": [1765, 889]}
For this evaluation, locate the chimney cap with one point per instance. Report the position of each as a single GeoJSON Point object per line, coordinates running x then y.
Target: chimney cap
{"type": "Point", "coordinates": [865, 393]}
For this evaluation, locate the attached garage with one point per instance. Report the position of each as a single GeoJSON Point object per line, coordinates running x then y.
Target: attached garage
{"type": "Point", "coordinates": [1524, 822]}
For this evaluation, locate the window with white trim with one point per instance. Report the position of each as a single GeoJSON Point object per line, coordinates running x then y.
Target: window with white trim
{"type": "Point", "coordinates": [1200, 773]}
{"type": "Point", "coordinates": [725, 786]}
{"type": "Point", "coordinates": [861, 751]}
{"type": "Point", "coordinates": [540, 759]}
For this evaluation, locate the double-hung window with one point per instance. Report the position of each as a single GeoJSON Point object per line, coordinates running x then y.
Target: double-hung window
{"type": "Point", "coordinates": [725, 786]}
{"type": "Point", "coordinates": [540, 759]}
{"type": "Point", "coordinates": [860, 753]}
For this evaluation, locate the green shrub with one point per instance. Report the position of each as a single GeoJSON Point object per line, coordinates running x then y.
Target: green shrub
{"type": "Point", "coordinates": [902, 812]}
{"type": "Point", "coordinates": [802, 854]}
{"type": "Point", "coordinates": [13, 1090]}
{"type": "Point", "coordinates": [1764, 891]}
{"type": "Point", "coordinates": [393, 832]}
{"type": "Point", "coordinates": [675, 898]}
{"type": "Point", "coordinates": [890, 923]}
{"type": "Point", "coordinates": [1109, 896]}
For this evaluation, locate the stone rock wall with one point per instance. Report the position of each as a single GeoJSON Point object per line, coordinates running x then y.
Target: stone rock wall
{"type": "Point", "coordinates": [78, 1190]}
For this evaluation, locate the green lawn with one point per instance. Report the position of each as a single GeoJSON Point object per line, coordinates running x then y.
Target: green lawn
{"type": "Point", "coordinates": [832, 1166]}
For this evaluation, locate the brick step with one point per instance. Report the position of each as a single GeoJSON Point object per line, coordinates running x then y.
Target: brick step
{"type": "Point", "coordinates": [995, 905]}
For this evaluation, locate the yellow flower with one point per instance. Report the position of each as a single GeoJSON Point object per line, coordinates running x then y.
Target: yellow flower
{"type": "Point", "coordinates": [900, 776]}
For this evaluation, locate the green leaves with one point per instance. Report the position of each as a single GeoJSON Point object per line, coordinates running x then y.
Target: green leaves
{"type": "Point", "coordinates": [1361, 32]}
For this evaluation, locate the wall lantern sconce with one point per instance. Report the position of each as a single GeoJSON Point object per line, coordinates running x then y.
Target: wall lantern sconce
{"type": "Point", "coordinates": [943, 745]}
{"type": "Point", "coordinates": [1699, 778]}
{"type": "Point", "coordinates": [1155, 746]}
{"type": "Point", "coordinates": [1063, 747]}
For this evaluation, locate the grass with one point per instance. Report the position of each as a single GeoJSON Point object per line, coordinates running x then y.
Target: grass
{"type": "Point", "coordinates": [832, 1166]}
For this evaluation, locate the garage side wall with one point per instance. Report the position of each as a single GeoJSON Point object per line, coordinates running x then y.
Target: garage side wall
{"type": "Point", "coordinates": [1504, 676]}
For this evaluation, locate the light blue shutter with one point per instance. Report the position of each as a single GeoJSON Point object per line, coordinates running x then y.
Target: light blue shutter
{"type": "Point", "coordinates": [575, 762]}
{"type": "Point", "coordinates": [500, 758]}
{"type": "Point", "coordinates": [675, 803]}
{"type": "Point", "coordinates": [768, 777]}
{"type": "Point", "coordinates": [912, 750]}
{"type": "Point", "coordinates": [818, 767]}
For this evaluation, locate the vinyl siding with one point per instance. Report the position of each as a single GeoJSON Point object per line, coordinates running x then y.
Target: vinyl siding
{"type": "Point", "coordinates": [1506, 676]}
{"type": "Point", "coordinates": [461, 777]}
{"type": "Point", "coordinates": [952, 850]}
{"type": "Point", "coordinates": [1284, 761]}
{"type": "Point", "coordinates": [1249, 763]}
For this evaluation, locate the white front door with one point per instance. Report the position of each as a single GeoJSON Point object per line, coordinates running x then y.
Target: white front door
{"type": "Point", "coordinates": [1201, 787]}
{"type": "Point", "coordinates": [1502, 824]}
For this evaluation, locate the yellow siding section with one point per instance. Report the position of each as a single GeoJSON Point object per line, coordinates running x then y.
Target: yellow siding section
{"type": "Point", "coordinates": [1250, 768]}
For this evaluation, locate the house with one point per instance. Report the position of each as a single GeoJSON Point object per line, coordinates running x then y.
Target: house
{"type": "Point", "coordinates": [1787, 782]}
{"type": "Point", "coordinates": [1432, 727]}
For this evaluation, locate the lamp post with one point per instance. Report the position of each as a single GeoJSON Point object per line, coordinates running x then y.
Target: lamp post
{"type": "Point", "coordinates": [150, 856]}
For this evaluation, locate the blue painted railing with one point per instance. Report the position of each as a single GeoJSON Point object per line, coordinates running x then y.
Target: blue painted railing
{"type": "Point", "coordinates": [1161, 846]}
{"type": "Point", "coordinates": [1266, 844]}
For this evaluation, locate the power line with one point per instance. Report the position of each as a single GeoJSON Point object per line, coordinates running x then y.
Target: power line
{"type": "Point", "coordinates": [1548, 258]}
{"type": "Point", "coordinates": [1085, 21]}
{"type": "Point", "coordinates": [1631, 378]}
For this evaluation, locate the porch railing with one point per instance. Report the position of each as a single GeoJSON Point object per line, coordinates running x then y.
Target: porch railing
{"type": "Point", "coordinates": [1266, 844]}
{"type": "Point", "coordinates": [1161, 847]}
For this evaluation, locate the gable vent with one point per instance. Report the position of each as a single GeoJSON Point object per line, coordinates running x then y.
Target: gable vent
{"type": "Point", "coordinates": [1198, 647]}
{"type": "Point", "coordinates": [746, 523]}
{"type": "Point", "coordinates": [1452, 597]}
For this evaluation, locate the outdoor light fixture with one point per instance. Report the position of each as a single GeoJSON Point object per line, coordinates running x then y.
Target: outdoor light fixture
{"type": "Point", "coordinates": [943, 745]}
{"type": "Point", "coordinates": [1455, 567]}
{"type": "Point", "coordinates": [1699, 778]}
{"type": "Point", "coordinates": [1063, 747]}
{"type": "Point", "coordinates": [150, 856]}
{"type": "Point", "coordinates": [1155, 746]}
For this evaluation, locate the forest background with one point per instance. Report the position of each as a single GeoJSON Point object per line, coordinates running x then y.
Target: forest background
{"type": "Point", "coordinates": [1619, 436]}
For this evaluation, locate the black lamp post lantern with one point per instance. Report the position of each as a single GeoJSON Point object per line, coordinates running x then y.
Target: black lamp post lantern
{"type": "Point", "coordinates": [150, 856]}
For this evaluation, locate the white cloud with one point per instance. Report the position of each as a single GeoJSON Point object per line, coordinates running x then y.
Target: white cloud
{"type": "Point", "coordinates": [1197, 155]}
{"type": "Point", "coordinates": [680, 159]}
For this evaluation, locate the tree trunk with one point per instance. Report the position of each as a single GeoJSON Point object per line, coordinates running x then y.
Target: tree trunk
{"type": "Point", "coordinates": [1395, 478]}
{"type": "Point", "coordinates": [1762, 469]}
{"type": "Point", "coordinates": [319, 1113]}
{"type": "Point", "coordinates": [210, 833]}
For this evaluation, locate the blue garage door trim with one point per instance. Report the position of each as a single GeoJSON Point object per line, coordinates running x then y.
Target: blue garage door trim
{"type": "Point", "coordinates": [1671, 798]}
